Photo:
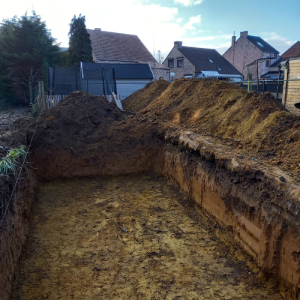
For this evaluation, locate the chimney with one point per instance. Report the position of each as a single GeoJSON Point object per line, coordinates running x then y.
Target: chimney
{"type": "Point", "coordinates": [98, 29]}
{"type": "Point", "coordinates": [178, 44]}
{"type": "Point", "coordinates": [233, 39]}
{"type": "Point", "coordinates": [244, 34]}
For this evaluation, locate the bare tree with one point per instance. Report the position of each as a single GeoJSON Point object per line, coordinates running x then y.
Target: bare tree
{"type": "Point", "coordinates": [24, 80]}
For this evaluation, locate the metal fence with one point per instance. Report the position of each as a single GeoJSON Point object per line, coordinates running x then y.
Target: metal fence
{"type": "Point", "coordinates": [275, 87]}
{"type": "Point", "coordinates": [95, 79]}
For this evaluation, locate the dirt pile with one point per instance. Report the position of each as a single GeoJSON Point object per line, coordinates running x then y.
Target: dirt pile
{"type": "Point", "coordinates": [250, 122]}
{"type": "Point", "coordinates": [86, 135]}
{"type": "Point", "coordinates": [75, 118]}
{"type": "Point", "coordinates": [144, 96]}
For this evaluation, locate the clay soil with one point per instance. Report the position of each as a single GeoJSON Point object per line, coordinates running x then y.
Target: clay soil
{"type": "Point", "coordinates": [133, 237]}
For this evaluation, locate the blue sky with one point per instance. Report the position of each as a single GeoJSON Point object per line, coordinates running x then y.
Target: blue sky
{"type": "Point", "coordinates": [197, 23]}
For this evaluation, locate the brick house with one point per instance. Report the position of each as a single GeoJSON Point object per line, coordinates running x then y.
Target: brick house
{"type": "Point", "coordinates": [113, 47]}
{"type": "Point", "coordinates": [192, 62]}
{"type": "Point", "coordinates": [246, 50]}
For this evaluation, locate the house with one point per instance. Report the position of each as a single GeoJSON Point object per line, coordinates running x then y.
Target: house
{"type": "Point", "coordinates": [113, 47]}
{"type": "Point", "coordinates": [100, 79]}
{"type": "Point", "coordinates": [247, 50]}
{"type": "Point", "coordinates": [292, 52]}
{"type": "Point", "coordinates": [192, 62]}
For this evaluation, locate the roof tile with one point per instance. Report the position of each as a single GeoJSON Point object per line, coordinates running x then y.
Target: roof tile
{"type": "Point", "coordinates": [261, 44]}
{"type": "Point", "coordinates": [208, 60]}
{"type": "Point", "coordinates": [120, 46]}
{"type": "Point", "coordinates": [294, 51]}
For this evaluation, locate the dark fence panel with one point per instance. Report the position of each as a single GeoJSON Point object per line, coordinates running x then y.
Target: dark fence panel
{"type": "Point", "coordinates": [274, 87]}
{"type": "Point", "coordinates": [95, 79]}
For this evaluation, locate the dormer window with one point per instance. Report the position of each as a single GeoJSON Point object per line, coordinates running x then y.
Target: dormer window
{"type": "Point", "coordinates": [210, 61]}
{"type": "Point", "coordinates": [219, 68]}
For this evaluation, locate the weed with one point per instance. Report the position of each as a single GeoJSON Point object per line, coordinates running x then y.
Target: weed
{"type": "Point", "coordinates": [9, 163]}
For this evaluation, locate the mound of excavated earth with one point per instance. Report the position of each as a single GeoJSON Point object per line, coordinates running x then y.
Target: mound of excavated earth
{"type": "Point", "coordinates": [91, 131]}
{"type": "Point", "coordinates": [251, 123]}
{"type": "Point", "coordinates": [144, 96]}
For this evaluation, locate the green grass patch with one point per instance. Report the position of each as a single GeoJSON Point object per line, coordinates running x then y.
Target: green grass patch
{"type": "Point", "coordinates": [9, 163]}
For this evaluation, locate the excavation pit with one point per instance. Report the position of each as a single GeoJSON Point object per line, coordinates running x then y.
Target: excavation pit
{"type": "Point", "coordinates": [206, 146]}
{"type": "Point", "coordinates": [133, 237]}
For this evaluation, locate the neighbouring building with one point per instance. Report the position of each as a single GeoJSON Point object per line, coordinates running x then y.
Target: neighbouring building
{"type": "Point", "coordinates": [192, 62]}
{"type": "Point", "coordinates": [292, 52]}
{"type": "Point", "coordinates": [113, 47]}
{"type": "Point", "coordinates": [247, 50]}
{"type": "Point", "coordinates": [291, 89]}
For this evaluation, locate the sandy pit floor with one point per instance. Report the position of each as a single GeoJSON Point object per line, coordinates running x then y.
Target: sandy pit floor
{"type": "Point", "coordinates": [133, 237]}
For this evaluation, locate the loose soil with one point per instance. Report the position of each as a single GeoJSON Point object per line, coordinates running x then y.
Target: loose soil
{"type": "Point", "coordinates": [133, 237]}
{"type": "Point", "coordinates": [8, 115]}
{"type": "Point", "coordinates": [75, 118]}
{"type": "Point", "coordinates": [251, 123]}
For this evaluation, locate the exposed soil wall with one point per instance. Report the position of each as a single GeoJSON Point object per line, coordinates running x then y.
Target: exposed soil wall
{"type": "Point", "coordinates": [14, 230]}
{"type": "Point", "coordinates": [255, 202]}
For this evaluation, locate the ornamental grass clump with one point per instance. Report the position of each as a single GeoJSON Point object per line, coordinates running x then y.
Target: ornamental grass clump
{"type": "Point", "coordinates": [9, 163]}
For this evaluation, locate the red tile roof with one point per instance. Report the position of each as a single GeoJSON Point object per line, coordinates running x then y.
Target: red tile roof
{"type": "Point", "coordinates": [119, 46]}
{"type": "Point", "coordinates": [294, 51]}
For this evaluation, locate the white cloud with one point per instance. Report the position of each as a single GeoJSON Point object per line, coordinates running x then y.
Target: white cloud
{"type": "Point", "coordinates": [156, 25]}
{"type": "Point", "coordinates": [189, 2]}
{"type": "Point", "coordinates": [277, 41]}
{"type": "Point", "coordinates": [201, 30]}
{"type": "Point", "coordinates": [191, 22]}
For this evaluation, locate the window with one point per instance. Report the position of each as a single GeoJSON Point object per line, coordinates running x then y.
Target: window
{"type": "Point", "coordinates": [180, 62]}
{"type": "Point", "coordinates": [188, 76]}
{"type": "Point", "coordinates": [260, 44]}
{"type": "Point", "coordinates": [171, 63]}
{"type": "Point", "coordinates": [219, 68]}
{"type": "Point", "coordinates": [210, 60]}
{"type": "Point", "coordinates": [267, 63]}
